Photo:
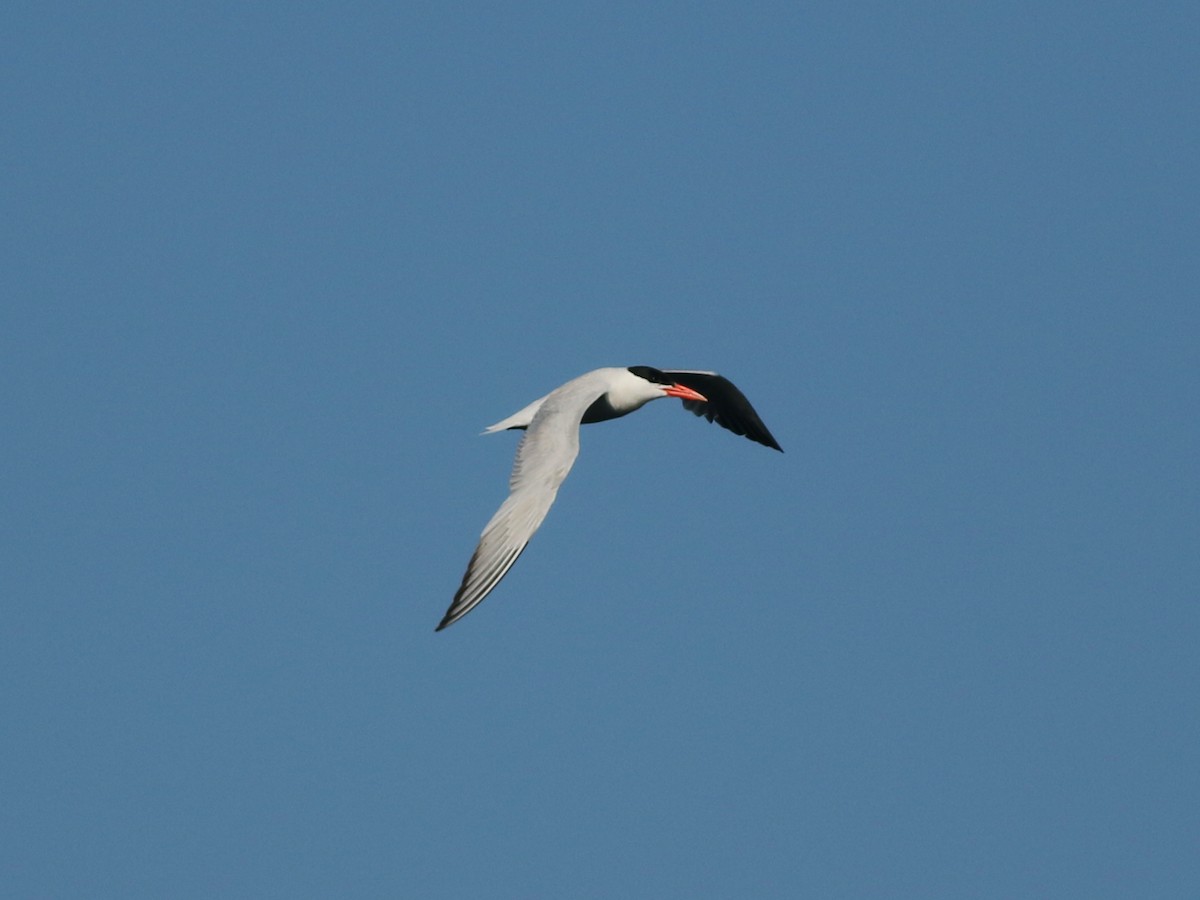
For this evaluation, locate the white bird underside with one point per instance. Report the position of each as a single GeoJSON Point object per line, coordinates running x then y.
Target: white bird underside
{"type": "Point", "coordinates": [551, 443]}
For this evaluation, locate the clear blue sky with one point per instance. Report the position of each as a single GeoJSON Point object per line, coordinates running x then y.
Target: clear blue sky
{"type": "Point", "coordinates": [267, 270]}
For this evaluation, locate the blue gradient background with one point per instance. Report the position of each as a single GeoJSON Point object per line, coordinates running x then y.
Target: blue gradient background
{"type": "Point", "coordinates": [268, 270]}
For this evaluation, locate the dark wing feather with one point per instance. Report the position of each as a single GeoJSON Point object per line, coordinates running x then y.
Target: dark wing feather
{"type": "Point", "coordinates": [727, 406]}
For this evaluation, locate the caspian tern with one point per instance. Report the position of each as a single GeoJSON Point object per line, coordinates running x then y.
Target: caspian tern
{"type": "Point", "coordinates": [551, 442]}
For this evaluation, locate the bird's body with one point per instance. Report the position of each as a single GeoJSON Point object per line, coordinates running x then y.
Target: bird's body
{"type": "Point", "coordinates": [551, 442]}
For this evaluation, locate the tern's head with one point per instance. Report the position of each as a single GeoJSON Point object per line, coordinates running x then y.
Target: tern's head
{"type": "Point", "coordinates": [659, 384]}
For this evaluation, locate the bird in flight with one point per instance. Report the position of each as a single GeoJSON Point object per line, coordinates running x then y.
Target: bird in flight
{"type": "Point", "coordinates": [551, 442]}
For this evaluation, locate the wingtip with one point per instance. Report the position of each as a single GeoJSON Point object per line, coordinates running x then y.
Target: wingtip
{"type": "Point", "coordinates": [767, 440]}
{"type": "Point", "coordinates": [448, 619]}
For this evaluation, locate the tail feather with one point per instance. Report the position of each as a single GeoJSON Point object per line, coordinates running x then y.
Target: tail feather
{"type": "Point", "coordinates": [519, 419]}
